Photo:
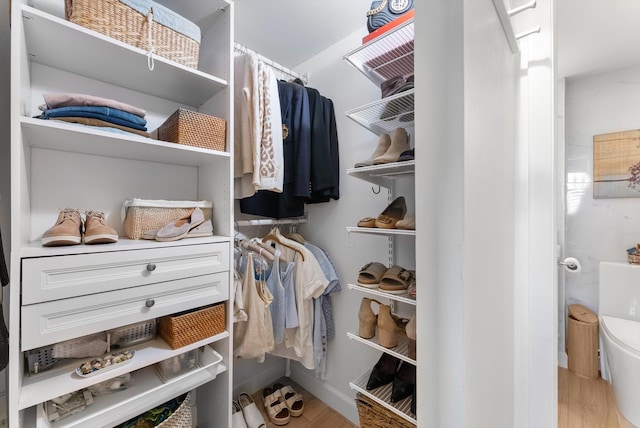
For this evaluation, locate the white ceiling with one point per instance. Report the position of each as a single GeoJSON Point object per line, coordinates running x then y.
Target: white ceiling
{"type": "Point", "coordinates": [592, 35]}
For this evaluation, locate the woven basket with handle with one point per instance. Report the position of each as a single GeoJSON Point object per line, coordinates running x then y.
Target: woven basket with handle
{"type": "Point", "coordinates": [121, 22]}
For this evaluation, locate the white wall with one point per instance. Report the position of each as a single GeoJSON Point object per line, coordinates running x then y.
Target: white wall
{"type": "Point", "coordinates": [597, 229]}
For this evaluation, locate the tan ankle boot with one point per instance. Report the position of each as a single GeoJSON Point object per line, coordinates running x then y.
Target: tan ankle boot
{"type": "Point", "coordinates": [399, 144]}
{"type": "Point", "coordinates": [368, 318]}
{"type": "Point", "coordinates": [411, 336]}
{"type": "Point", "coordinates": [383, 145]}
{"type": "Point", "coordinates": [387, 327]}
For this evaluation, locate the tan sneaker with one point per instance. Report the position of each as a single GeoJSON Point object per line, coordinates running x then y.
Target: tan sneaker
{"type": "Point", "coordinates": [66, 231]}
{"type": "Point", "coordinates": [96, 229]}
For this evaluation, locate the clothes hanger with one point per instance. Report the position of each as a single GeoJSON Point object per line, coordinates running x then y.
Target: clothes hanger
{"type": "Point", "coordinates": [262, 252]}
{"type": "Point", "coordinates": [294, 235]}
{"type": "Point", "coordinates": [276, 238]}
{"type": "Point", "coordinates": [268, 248]}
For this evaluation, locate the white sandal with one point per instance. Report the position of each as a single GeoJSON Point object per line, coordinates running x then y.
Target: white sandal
{"type": "Point", "coordinates": [277, 409]}
{"type": "Point", "coordinates": [252, 415]}
{"type": "Point", "coordinates": [292, 398]}
{"type": "Point", "coordinates": [237, 418]}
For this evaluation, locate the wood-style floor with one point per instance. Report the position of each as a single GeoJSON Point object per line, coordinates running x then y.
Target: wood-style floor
{"type": "Point", "coordinates": [316, 413]}
{"type": "Point", "coordinates": [586, 403]}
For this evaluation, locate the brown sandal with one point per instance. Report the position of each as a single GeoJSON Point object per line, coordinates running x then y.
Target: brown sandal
{"type": "Point", "coordinates": [396, 280]}
{"type": "Point", "coordinates": [371, 274]}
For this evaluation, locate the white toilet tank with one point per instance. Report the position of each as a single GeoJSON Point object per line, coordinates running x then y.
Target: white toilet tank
{"type": "Point", "coordinates": [619, 290]}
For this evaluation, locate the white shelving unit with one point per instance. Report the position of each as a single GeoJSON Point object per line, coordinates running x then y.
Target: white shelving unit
{"type": "Point", "coordinates": [382, 58]}
{"type": "Point", "coordinates": [57, 164]}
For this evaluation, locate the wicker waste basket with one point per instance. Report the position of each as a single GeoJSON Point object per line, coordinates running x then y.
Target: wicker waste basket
{"type": "Point", "coordinates": [582, 341]}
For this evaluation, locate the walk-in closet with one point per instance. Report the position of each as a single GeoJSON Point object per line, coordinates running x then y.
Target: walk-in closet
{"type": "Point", "coordinates": [230, 213]}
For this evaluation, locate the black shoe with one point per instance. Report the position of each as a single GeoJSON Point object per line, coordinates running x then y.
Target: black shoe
{"type": "Point", "coordinates": [383, 372]}
{"type": "Point", "coordinates": [404, 382]}
{"type": "Point", "coordinates": [413, 402]}
{"type": "Point", "coordinates": [407, 155]}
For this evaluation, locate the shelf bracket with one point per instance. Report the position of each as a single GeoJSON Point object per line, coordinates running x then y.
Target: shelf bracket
{"type": "Point", "coordinates": [528, 33]}
{"type": "Point", "coordinates": [517, 10]}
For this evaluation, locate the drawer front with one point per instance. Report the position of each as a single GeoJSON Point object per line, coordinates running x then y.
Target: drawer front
{"type": "Point", "coordinates": [60, 277]}
{"type": "Point", "coordinates": [52, 322]}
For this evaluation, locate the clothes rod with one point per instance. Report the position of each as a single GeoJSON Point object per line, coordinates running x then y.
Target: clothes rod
{"type": "Point", "coordinates": [272, 221]}
{"type": "Point", "coordinates": [242, 49]}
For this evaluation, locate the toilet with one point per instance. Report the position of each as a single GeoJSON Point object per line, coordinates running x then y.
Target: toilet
{"type": "Point", "coordinates": [619, 315]}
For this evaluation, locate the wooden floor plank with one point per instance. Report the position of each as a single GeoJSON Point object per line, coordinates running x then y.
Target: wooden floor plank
{"type": "Point", "coordinates": [316, 413]}
{"type": "Point", "coordinates": [585, 403]}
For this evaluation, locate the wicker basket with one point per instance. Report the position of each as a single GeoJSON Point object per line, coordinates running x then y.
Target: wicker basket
{"type": "Point", "coordinates": [181, 418]}
{"type": "Point", "coordinates": [194, 129]}
{"type": "Point", "coordinates": [373, 415]}
{"type": "Point", "coordinates": [119, 21]}
{"type": "Point", "coordinates": [145, 215]}
{"type": "Point", "coordinates": [182, 329]}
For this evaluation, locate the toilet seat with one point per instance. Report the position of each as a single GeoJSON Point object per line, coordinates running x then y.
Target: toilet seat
{"type": "Point", "coordinates": [625, 333]}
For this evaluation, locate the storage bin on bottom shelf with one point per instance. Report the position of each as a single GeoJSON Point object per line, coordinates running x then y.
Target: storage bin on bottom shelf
{"type": "Point", "coordinates": [175, 413]}
{"type": "Point", "coordinates": [184, 328]}
{"type": "Point", "coordinates": [373, 415]}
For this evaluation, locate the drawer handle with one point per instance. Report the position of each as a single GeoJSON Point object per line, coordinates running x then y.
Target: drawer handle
{"type": "Point", "coordinates": [151, 267]}
{"type": "Point", "coordinates": [149, 303]}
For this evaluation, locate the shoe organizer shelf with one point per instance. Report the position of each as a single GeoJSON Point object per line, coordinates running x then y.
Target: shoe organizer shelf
{"type": "Point", "coordinates": [385, 57]}
{"type": "Point", "coordinates": [387, 114]}
{"type": "Point", "coordinates": [383, 175]}
{"type": "Point", "coordinates": [382, 396]}
{"type": "Point", "coordinates": [81, 289]}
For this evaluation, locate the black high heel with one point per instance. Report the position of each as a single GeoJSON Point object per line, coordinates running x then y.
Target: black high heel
{"type": "Point", "coordinates": [404, 382]}
{"type": "Point", "coordinates": [383, 372]}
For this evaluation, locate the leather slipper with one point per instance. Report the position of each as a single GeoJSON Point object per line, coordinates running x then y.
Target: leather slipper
{"type": "Point", "coordinates": [396, 280]}
{"type": "Point", "coordinates": [371, 274]}
{"type": "Point", "coordinates": [390, 216]}
{"type": "Point", "coordinates": [237, 418]}
{"type": "Point", "coordinates": [367, 222]}
{"type": "Point", "coordinates": [204, 230]}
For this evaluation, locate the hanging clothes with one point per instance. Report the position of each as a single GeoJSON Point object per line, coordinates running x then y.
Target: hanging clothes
{"type": "Point", "coordinates": [331, 192]}
{"type": "Point", "coordinates": [253, 338]}
{"type": "Point", "coordinates": [309, 282]}
{"type": "Point", "coordinates": [278, 309]}
{"type": "Point", "coordinates": [270, 163]}
{"type": "Point", "coordinates": [296, 134]}
{"type": "Point", "coordinates": [321, 176]}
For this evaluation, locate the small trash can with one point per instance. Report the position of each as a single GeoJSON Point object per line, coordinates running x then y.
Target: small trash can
{"type": "Point", "coordinates": [582, 341]}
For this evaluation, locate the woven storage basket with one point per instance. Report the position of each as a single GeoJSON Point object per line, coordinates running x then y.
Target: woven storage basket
{"type": "Point", "coordinates": [144, 215]}
{"type": "Point", "coordinates": [181, 418]}
{"type": "Point", "coordinates": [182, 329]}
{"type": "Point", "coordinates": [119, 21]}
{"type": "Point", "coordinates": [194, 129]}
{"type": "Point", "coordinates": [373, 415]}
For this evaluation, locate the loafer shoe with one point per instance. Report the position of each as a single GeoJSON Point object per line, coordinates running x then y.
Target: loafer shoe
{"type": "Point", "coordinates": [96, 229]}
{"type": "Point", "coordinates": [66, 231]}
{"type": "Point", "coordinates": [204, 230]}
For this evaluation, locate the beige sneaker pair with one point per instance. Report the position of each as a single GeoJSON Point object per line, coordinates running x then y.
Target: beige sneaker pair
{"type": "Point", "coordinates": [68, 229]}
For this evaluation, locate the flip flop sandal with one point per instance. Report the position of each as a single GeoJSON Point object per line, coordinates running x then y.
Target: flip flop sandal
{"type": "Point", "coordinates": [370, 274]}
{"type": "Point", "coordinates": [396, 280]}
{"type": "Point", "coordinates": [292, 398]}
{"type": "Point", "coordinates": [367, 222]}
{"type": "Point", "coordinates": [250, 411]}
{"type": "Point", "coordinates": [276, 407]}
{"type": "Point", "coordinates": [390, 216]}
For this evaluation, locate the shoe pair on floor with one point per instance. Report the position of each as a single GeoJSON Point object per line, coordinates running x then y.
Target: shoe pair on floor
{"type": "Point", "coordinates": [70, 229]}
{"type": "Point", "coordinates": [394, 148]}
{"type": "Point", "coordinates": [393, 280]}
{"type": "Point", "coordinates": [281, 403]}
{"type": "Point", "coordinates": [390, 369]}
{"type": "Point", "coordinates": [389, 326]}
{"type": "Point", "coordinates": [393, 217]}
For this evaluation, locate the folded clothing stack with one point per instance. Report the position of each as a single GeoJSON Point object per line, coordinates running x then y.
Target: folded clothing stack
{"type": "Point", "coordinates": [94, 111]}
